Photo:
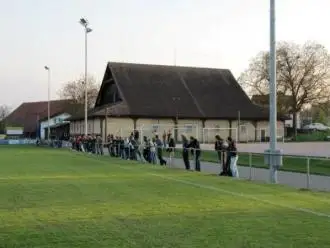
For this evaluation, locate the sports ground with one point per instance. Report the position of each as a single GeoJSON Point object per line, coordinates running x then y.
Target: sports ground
{"type": "Point", "coordinates": [58, 198]}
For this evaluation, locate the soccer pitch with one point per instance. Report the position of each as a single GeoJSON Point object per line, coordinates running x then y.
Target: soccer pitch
{"type": "Point", "coordinates": [58, 198]}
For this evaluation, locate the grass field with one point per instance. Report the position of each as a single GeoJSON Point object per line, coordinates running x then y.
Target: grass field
{"type": "Point", "coordinates": [312, 136]}
{"type": "Point", "coordinates": [56, 198]}
{"type": "Point", "coordinates": [290, 163]}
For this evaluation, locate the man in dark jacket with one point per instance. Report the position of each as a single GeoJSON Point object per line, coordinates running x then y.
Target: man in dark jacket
{"type": "Point", "coordinates": [219, 148]}
{"type": "Point", "coordinates": [146, 149]}
{"type": "Point", "coordinates": [196, 151]}
{"type": "Point", "coordinates": [185, 152]}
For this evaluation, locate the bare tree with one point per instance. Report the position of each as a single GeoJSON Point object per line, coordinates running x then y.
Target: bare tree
{"type": "Point", "coordinates": [4, 112]}
{"type": "Point", "coordinates": [75, 90]}
{"type": "Point", "coordinates": [302, 75]}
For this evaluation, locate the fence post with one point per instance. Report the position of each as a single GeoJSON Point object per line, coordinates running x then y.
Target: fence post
{"type": "Point", "coordinates": [194, 158]}
{"type": "Point", "coordinates": [308, 179]}
{"type": "Point", "coordinates": [250, 165]}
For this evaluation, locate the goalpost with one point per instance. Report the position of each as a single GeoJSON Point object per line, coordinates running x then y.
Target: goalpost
{"type": "Point", "coordinates": [243, 135]}
{"type": "Point", "coordinates": [209, 134]}
{"type": "Point", "coordinates": [153, 129]}
{"type": "Point", "coordinates": [192, 130]}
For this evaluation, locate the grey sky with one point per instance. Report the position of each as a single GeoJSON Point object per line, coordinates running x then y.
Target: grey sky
{"type": "Point", "coordinates": [215, 33]}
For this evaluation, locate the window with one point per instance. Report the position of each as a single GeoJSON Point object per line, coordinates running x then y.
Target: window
{"type": "Point", "coordinates": [188, 128]}
{"type": "Point", "coordinates": [89, 128]}
{"type": "Point", "coordinates": [243, 129]}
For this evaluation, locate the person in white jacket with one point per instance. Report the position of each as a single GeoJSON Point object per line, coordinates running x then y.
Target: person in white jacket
{"type": "Point", "coordinates": [232, 152]}
{"type": "Point", "coordinates": [153, 156]}
{"type": "Point", "coordinates": [126, 152]}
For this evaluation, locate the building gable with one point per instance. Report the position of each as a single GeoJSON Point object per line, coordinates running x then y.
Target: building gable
{"type": "Point", "coordinates": [174, 91]}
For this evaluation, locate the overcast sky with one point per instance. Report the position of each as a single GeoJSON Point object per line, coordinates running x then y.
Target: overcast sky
{"type": "Point", "coordinates": [214, 33]}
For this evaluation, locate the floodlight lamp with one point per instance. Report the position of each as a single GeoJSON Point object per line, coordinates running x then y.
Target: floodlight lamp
{"type": "Point", "coordinates": [46, 68]}
{"type": "Point", "coordinates": [83, 22]}
{"type": "Point", "coordinates": [88, 30]}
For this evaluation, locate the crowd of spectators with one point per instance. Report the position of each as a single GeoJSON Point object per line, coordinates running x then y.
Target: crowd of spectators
{"type": "Point", "coordinates": [90, 143]}
{"type": "Point", "coordinates": [150, 149]}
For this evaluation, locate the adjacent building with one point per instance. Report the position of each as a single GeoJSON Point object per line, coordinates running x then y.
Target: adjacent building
{"type": "Point", "coordinates": [33, 117]}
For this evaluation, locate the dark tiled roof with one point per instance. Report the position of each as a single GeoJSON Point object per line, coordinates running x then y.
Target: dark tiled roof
{"type": "Point", "coordinates": [167, 91]}
{"type": "Point", "coordinates": [117, 109]}
{"type": "Point", "coordinates": [69, 108]}
{"type": "Point", "coordinates": [28, 114]}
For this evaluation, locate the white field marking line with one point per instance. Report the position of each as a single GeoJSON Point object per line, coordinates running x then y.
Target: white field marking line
{"type": "Point", "coordinates": [52, 177]}
{"type": "Point", "coordinates": [155, 166]}
{"type": "Point", "coordinates": [249, 197]}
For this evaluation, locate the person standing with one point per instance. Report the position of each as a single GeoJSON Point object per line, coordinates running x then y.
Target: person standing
{"type": "Point", "coordinates": [153, 158]}
{"type": "Point", "coordinates": [132, 146]}
{"type": "Point", "coordinates": [159, 145]}
{"type": "Point", "coordinates": [146, 149]}
{"type": "Point", "coordinates": [233, 157]}
{"type": "Point", "coordinates": [93, 144]}
{"type": "Point", "coordinates": [137, 153]}
{"type": "Point", "coordinates": [171, 149]}
{"type": "Point", "coordinates": [218, 147]}
{"type": "Point", "coordinates": [185, 152]}
{"type": "Point", "coordinates": [196, 151]}
{"type": "Point", "coordinates": [99, 145]}
{"type": "Point", "coordinates": [169, 136]}
{"type": "Point", "coordinates": [164, 139]}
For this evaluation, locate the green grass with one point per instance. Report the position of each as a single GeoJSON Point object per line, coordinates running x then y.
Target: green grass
{"type": "Point", "coordinates": [290, 163]}
{"type": "Point", "coordinates": [55, 198]}
{"type": "Point", "coordinates": [312, 136]}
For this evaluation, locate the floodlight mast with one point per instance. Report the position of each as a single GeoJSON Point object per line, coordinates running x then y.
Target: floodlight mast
{"type": "Point", "coordinates": [48, 107]}
{"type": "Point", "coordinates": [272, 97]}
{"type": "Point", "coordinates": [84, 22]}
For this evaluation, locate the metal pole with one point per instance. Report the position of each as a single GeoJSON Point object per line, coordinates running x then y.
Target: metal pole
{"type": "Point", "coordinates": [272, 93]}
{"type": "Point", "coordinates": [106, 125]}
{"type": "Point", "coordinates": [48, 107]}
{"type": "Point", "coordinates": [250, 165]}
{"type": "Point", "coordinates": [86, 106]}
{"type": "Point", "coordinates": [238, 126]}
{"type": "Point", "coordinates": [308, 179]}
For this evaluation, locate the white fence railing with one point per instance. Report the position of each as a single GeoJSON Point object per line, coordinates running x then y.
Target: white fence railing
{"type": "Point", "coordinates": [310, 172]}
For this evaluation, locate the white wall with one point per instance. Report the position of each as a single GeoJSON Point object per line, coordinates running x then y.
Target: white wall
{"type": "Point", "coordinates": [53, 121]}
{"type": "Point", "coordinates": [78, 127]}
